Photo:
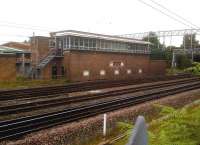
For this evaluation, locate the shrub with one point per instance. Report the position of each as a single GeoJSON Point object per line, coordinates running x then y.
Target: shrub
{"type": "Point", "coordinates": [183, 61]}
{"type": "Point", "coordinates": [194, 69]}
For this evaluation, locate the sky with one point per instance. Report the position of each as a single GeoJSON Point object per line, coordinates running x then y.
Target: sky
{"type": "Point", "coordinates": [20, 18]}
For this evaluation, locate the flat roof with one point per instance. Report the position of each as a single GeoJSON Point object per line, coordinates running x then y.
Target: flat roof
{"type": "Point", "coordinates": [97, 36]}
{"type": "Point", "coordinates": [38, 36]}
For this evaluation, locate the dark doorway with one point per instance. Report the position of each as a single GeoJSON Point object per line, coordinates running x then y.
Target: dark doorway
{"type": "Point", "coordinates": [62, 71]}
{"type": "Point", "coordinates": [54, 72]}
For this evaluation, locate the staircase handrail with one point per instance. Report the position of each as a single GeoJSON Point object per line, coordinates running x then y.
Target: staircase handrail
{"type": "Point", "coordinates": [50, 52]}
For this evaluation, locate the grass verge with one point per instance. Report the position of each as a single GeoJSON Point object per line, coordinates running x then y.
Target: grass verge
{"type": "Point", "coordinates": [174, 127]}
{"type": "Point", "coordinates": [29, 83]}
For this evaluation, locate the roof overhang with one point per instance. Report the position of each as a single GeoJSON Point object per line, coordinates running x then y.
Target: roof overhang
{"type": "Point", "coordinates": [97, 36]}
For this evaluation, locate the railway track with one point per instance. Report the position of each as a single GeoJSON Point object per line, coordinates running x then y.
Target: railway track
{"type": "Point", "coordinates": [75, 87]}
{"type": "Point", "coordinates": [25, 107]}
{"type": "Point", "coordinates": [18, 127]}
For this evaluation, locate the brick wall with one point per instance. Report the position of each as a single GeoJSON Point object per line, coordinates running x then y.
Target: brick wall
{"type": "Point", "coordinates": [94, 64]}
{"type": "Point", "coordinates": [157, 67]}
{"type": "Point", "coordinates": [47, 71]}
{"type": "Point", "coordinates": [77, 62]}
{"type": "Point", "coordinates": [7, 67]}
{"type": "Point", "coordinates": [39, 48]}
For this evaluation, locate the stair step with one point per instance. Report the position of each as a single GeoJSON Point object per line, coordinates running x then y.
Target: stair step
{"type": "Point", "coordinates": [46, 60]}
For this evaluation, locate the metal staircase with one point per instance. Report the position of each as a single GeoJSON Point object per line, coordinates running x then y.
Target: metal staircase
{"type": "Point", "coordinates": [50, 56]}
{"type": "Point", "coordinates": [35, 71]}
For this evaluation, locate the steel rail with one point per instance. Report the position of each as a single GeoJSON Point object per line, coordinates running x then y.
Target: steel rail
{"type": "Point", "coordinates": [25, 107]}
{"type": "Point", "coordinates": [53, 90]}
{"type": "Point", "coordinates": [19, 127]}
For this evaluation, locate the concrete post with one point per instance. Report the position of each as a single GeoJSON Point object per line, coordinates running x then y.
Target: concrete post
{"type": "Point", "coordinates": [139, 134]}
{"type": "Point", "coordinates": [104, 124]}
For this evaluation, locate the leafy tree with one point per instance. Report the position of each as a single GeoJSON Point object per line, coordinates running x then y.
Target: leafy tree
{"type": "Point", "coordinates": [183, 61]}
{"type": "Point", "coordinates": [153, 38]}
{"type": "Point", "coordinates": [187, 39]}
{"type": "Point", "coordinates": [168, 57]}
{"type": "Point", "coordinates": [172, 47]}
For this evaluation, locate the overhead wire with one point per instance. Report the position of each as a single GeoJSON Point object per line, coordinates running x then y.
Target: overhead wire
{"type": "Point", "coordinates": [38, 28]}
{"type": "Point", "coordinates": [172, 12]}
{"type": "Point", "coordinates": [164, 13]}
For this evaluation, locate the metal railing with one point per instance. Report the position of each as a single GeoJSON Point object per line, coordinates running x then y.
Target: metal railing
{"type": "Point", "coordinates": [134, 51]}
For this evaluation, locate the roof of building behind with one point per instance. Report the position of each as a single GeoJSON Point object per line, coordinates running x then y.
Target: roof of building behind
{"type": "Point", "coordinates": [98, 36]}
{"type": "Point", "coordinates": [18, 45]}
{"type": "Point", "coordinates": [10, 50]}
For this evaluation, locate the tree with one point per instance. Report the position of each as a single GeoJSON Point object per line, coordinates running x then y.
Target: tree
{"type": "Point", "coordinates": [158, 53]}
{"type": "Point", "coordinates": [188, 39]}
{"type": "Point", "coordinates": [153, 38]}
{"type": "Point", "coordinates": [183, 61]}
{"type": "Point", "coordinates": [171, 47]}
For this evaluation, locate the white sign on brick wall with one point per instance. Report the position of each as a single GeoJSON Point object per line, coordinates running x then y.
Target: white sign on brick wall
{"type": "Point", "coordinates": [86, 73]}
{"type": "Point", "coordinates": [116, 72]}
{"type": "Point", "coordinates": [140, 71]}
{"type": "Point", "coordinates": [129, 71]}
{"type": "Point", "coordinates": [102, 72]}
{"type": "Point", "coordinates": [111, 64]}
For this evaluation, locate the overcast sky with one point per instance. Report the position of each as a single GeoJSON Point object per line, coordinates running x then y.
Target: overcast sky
{"type": "Point", "coordinates": [99, 16]}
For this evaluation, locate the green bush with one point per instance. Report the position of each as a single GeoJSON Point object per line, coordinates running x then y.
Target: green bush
{"type": "Point", "coordinates": [177, 127]}
{"type": "Point", "coordinates": [183, 61]}
{"type": "Point", "coordinates": [180, 128]}
{"type": "Point", "coordinates": [194, 69]}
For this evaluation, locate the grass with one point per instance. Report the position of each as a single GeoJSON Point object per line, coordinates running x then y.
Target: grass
{"type": "Point", "coordinates": [173, 71]}
{"type": "Point", "coordinates": [174, 127]}
{"type": "Point", "coordinates": [20, 83]}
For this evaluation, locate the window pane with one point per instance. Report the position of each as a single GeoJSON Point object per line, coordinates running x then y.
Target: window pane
{"type": "Point", "coordinates": [86, 43]}
{"type": "Point", "coordinates": [90, 43]}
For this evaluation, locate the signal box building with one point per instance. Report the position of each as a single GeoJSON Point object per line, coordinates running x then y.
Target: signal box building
{"type": "Point", "coordinates": [83, 56]}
